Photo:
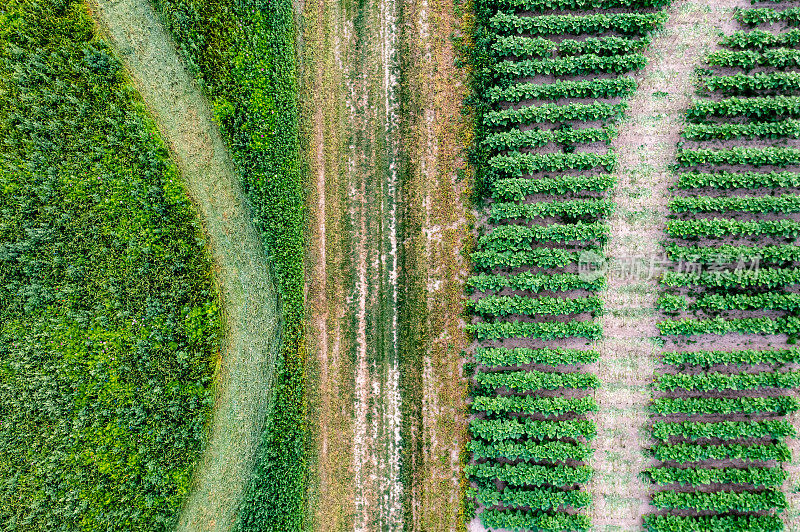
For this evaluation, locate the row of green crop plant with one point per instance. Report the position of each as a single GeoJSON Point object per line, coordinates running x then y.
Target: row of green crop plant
{"type": "Point", "coordinates": [544, 166]}
{"type": "Point", "coordinates": [732, 239]}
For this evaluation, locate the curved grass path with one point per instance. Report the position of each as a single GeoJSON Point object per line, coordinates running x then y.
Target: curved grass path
{"type": "Point", "coordinates": [249, 303]}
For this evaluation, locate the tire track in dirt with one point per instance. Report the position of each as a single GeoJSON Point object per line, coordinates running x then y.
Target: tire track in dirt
{"type": "Point", "coordinates": [249, 300]}
{"type": "Point", "coordinates": [646, 147]}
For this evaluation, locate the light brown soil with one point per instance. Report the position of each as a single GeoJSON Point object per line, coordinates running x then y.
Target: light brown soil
{"type": "Point", "coordinates": [645, 147]}
{"type": "Point", "coordinates": [350, 107]}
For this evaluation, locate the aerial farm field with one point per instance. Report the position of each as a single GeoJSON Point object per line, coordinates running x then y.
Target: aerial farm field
{"type": "Point", "coordinates": [399, 265]}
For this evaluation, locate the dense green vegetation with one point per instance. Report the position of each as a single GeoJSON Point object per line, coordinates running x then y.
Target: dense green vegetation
{"type": "Point", "coordinates": [108, 323]}
{"type": "Point", "coordinates": [243, 54]}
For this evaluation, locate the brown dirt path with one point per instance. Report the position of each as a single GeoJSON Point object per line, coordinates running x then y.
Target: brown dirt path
{"type": "Point", "coordinates": [249, 299]}
{"type": "Point", "coordinates": [351, 105]}
{"type": "Point", "coordinates": [437, 235]}
{"type": "Point", "coordinates": [645, 147]}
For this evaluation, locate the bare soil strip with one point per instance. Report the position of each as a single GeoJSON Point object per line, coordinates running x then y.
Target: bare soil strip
{"type": "Point", "coordinates": [249, 302]}
{"type": "Point", "coordinates": [436, 237]}
{"type": "Point", "coordinates": [646, 147]}
{"type": "Point", "coordinates": [350, 58]}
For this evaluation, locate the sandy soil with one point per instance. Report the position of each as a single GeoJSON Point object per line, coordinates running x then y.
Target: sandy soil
{"type": "Point", "coordinates": [352, 108]}
{"type": "Point", "coordinates": [436, 237]}
{"type": "Point", "coordinates": [249, 299]}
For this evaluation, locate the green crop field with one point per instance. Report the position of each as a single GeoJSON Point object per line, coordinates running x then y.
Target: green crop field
{"type": "Point", "coordinates": [110, 328]}
{"type": "Point", "coordinates": [471, 265]}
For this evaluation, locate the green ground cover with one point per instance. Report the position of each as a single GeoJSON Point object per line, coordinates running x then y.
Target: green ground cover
{"type": "Point", "coordinates": [243, 54]}
{"type": "Point", "coordinates": [109, 330]}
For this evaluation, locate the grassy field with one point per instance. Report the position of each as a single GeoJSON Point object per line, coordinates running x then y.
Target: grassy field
{"type": "Point", "coordinates": [109, 319]}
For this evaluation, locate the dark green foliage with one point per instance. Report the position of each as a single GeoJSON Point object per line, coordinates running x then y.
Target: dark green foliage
{"type": "Point", "coordinates": [244, 54]}
{"type": "Point", "coordinates": [108, 322]}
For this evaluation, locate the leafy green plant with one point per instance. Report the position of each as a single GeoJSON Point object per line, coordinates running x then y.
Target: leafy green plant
{"type": "Point", "coordinates": [495, 430]}
{"type": "Point", "coordinates": [618, 87]}
{"type": "Point", "coordinates": [675, 523]}
{"type": "Point", "coordinates": [534, 282]}
{"type": "Point", "coordinates": [693, 452]}
{"type": "Point", "coordinates": [538, 451]}
{"type": "Point", "coordinates": [545, 331]}
{"type": "Point", "coordinates": [536, 499]}
{"type": "Point", "coordinates": [721, 501]}
{"type": "Point", "coordinates": [546, 406]}
{"type": "Point", "coordinates": [244, 55]}
{"type": "Point", "coordinates": [574, 209]}
{"type": "Point", "coordinates": [532, 306]}
{"type": "Point", "coordinates": [723, 430]}
{"type": "Point", "coordinates": [545, 522]}
{"type": "Point", "coordinates": [552, 356]}
{"type": "Point", "coordinates": [109, 322]}
{"type": "Point", "coordinates": [522, 381]}
{"type": "Point", "coordinates": [625, 23]}
{"type": "Point", "coordinates": [516, 188]}
{"type": "Point", "coordinates": [696, 476]}
{"type": "Point", "coordinates": [739, 357]}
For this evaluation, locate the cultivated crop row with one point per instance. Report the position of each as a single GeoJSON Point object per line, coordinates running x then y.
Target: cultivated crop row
{"type": "Point", "coordinates": [733, 239]}
{"type": "Point", "coordinates": [550, 84]}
